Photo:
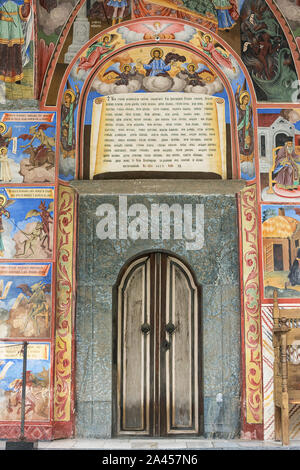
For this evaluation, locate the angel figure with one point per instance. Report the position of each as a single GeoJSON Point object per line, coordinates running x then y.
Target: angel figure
{"type": "Point", "coordinates": [98, 50]}
{"type": "Point", "coordinates": [5, 135]}
{"type": "Point", "coordinates": [192, 75]}
{"type": "Point", "coordinates": [126, 73]}
{"type": "Point", "coordinates": [214, 51]}
{"type": "Point", "coordinates": [156, 31]}
{"type": "Point", "coordinates": [46, 219]}
{"type": "Point", "coordinates": [4, 203]}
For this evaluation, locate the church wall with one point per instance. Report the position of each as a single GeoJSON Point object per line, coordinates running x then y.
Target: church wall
{"type": "Point", "coordinates": [39, 262]}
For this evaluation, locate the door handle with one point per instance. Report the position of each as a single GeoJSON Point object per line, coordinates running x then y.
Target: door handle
{"type": "Point", "coordinates": [166, 345]}
{"type": "Point", "coordinates": [170, 328]}
{"type": "Point", "coordinates": [145, 328]}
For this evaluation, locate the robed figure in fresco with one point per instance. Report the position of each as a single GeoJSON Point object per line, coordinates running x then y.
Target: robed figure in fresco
{"type": "Point", "coordinates": [227, 13]}
{"type": "Point", "coordinates": [286, 172]}
{"type": "Point", "coordinates": [12, 40]}
{"type": "Point", "coordinates": [97, 51]}
{"type": "Point", "coordinates": [68, 140]}
{"type": "Point", "coordinates": [294, 274]}
{"type": "Point", "coordinates": [157, 66]}
{"type": "Point", "coordinates": [245, 129]}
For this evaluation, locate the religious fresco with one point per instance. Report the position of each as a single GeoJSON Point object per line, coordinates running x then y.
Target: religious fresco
{"type": "Point", "coordinates": [27, 149]}
{"type": "Point", "coordinates": [26, 222]}
{"type": "Point", "coordinates": [218, 15]}
{"type": "Point", "coordinates": [136, 72]}
{"type": "Point", "coordinates": [37, 404]}
{"type": "Point", "coordinates": [26, 300]}
{"type": "Point", "coordinates": [16, 51]}
{"type": "Point", "coordinates": [65, 63]}
{"type": "Point", "coordinates": [279, 154]}
{"type": "Point", "coordinates": [266, 53]}
{"type": "Point", "coordinates": [290, 10]}
{"type": "Point", "coordinates": [281, 250]}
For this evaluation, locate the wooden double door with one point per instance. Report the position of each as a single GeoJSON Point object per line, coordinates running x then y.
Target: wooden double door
{"type": "Point", "coordinates": [157, 353]}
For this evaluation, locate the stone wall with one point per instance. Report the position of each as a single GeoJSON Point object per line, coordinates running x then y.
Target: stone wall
{"type": "Point", "coordinates": [216, 267]}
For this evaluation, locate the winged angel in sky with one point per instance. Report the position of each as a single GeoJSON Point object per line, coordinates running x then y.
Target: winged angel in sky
{"type": "Point", "coordinates": [156, 30]}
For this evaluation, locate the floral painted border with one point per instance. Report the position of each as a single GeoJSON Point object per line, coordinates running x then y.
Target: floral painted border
{"type": "Point", "coordinates": [251, 308]}
{"type": "Point", "coordinates": [64, 305]}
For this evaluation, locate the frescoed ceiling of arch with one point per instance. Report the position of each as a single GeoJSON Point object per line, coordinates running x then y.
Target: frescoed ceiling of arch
{"type": "Point", "coordinates": [267, 47]}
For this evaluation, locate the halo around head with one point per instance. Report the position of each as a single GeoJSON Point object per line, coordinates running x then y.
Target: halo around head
{"type": "Point", "coordinates": [70, 92]}
{"type": "Point", "coordinates": [243, 94]}
{"type": "Point", "coordinates": [207, 36]}
{"type": "Point", "coordinates": [4, 198]}
{"type": "Point", "coordinates": [191, 65]}
{"type": "Point", "coordinates": [123, 67]}
{"type": "Point", "coordinates": [157, 49]}
{"type": "Point", "coordinates": [106, 36]}
{"type": "Point", "coordinates": [2, 127]}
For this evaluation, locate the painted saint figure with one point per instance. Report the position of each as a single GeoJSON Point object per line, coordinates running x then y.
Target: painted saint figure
{"type": "Point", "coordinates": [5, 135]}
{"type": "Point", "coordinates": [227, 13]}
{"type": "Point", "coordinates": [157, 66]}
{"type": "Point", "coordinates": [245, 129]}
{"type": "Point", "coordinates": [193, 78]}
{"type": "Point", "coordinates": [12, 40]}
{"type": "Point", "coordinates": [119, 9]}
{"type": "Point", "coordinates": [125, 75]}
{"type": "Point", "coordinates": [286, 172]}
{"type": "Point", "coordinates": [67, 139]}
{"type": "Point", "coordinates": [294, 274]}
{"type": "Point", "coordinates": [96, 51]}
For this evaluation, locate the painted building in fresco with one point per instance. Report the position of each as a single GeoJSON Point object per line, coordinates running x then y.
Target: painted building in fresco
{"type": "Point", "coordinates": [147, 210]}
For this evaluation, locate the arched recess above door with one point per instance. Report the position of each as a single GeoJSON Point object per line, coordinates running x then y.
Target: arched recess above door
{"type": "Point", "coordinates": [220, 63]}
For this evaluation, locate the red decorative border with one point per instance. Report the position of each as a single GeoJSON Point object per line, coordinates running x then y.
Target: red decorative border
{"type": "Point", "coordinates": [32, 432]}
{"type": "Point", "coordinates": [252, 408]}
{"type": "Point", "coordinates": [65, 302]}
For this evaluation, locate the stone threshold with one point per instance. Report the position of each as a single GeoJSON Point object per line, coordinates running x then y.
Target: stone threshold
{"type": "Point", "coordinates": [161, 444]}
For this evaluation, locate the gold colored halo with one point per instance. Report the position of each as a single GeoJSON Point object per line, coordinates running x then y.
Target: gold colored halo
{"type": "Point", "coordinates": [107, 36]}
{"type": "Point", "coordinates": [244, 93]}
{"type": "Point", "coordinates": [157, 49]}
{"type": "Point", "coordinates": [188, 66]}
{"type": "Point", "coordinates": [207, 36]}
{"type": "Point", "coordinates": [69, 91]}
{"type": "Point", "coordinates": [2, 125]}
{"type": "Point", "coordinates": [122, 68]}
{"type": "Point", "coordinates": [2, 196]}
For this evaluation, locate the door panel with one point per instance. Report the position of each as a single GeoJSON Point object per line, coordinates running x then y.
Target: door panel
{"type": "Point", "coordinates": [133, 384]}
{"type": "Point", "coordinates": [181, 357]}
{"type": "Point", "coordinates": [157, 349]}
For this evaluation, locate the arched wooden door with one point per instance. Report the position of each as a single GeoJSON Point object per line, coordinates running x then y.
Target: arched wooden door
{"type": "Point", "coordinates": [157, 350]}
